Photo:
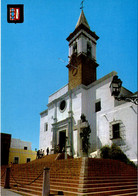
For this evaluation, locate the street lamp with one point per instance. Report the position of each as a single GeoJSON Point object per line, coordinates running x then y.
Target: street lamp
{"type": "Point", "coordinates": [115, 88]}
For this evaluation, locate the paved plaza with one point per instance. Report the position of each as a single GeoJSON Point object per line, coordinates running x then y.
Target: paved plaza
{"type": "Point", "coordinates": [7, 192]}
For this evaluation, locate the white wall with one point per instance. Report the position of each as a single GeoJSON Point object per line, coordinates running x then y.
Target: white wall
{"type": "Point", "coordinates": [54, 111]}
{"type": "Point", "coordinates": [45, 138]}
{"type": "Point", "coordinates": [62, 114]}
{"type": "Point", "coordinates": [58, 94]}
{"type": "Point", "coordinates": [100, 122]}
{"type": "Point", "coordinates": [19, 144]}
{"type": "Point", "coordinates": [76, 105]}
{"type": "Point", "coordinates": [111, 112]}
{"type": "Point", "coordinates": [83, 101]}
{"type": "Point", "coordinates": [127, 115]}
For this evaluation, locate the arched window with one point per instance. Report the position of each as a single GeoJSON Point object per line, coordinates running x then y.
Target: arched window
{"type": "Point", "coordinates": [89, 49]}
{"type": "Point", "coordinates": [75, 48]}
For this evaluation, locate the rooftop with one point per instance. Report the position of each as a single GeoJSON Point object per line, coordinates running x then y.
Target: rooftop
{"type": "Point", "coordinates": [82, 20]}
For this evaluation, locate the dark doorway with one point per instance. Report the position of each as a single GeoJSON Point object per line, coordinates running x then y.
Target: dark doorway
{"type": "Point", "coordinates": [16, 160]}
{"type": "Point", "coordinates": [62, 141]}
{"type": "Point", "coordinates": [28, 160]}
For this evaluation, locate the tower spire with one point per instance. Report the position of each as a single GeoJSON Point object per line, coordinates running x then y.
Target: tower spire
{"type": "Point", "coordinates": [82, 20]}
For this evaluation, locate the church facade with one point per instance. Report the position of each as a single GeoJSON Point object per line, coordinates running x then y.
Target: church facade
{"type": "Point", "coordinates": [111, 121]}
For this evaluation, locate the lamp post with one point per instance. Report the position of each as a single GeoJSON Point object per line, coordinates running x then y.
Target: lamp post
{"type": "Point", "coordinates": [115, 88]}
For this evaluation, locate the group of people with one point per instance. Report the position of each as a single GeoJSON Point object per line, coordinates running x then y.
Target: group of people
{"type": "Point", "coordinates": [41, 153]}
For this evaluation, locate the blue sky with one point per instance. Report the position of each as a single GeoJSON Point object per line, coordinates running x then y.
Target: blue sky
{"type": "Point", "coordinates": [30, 68]}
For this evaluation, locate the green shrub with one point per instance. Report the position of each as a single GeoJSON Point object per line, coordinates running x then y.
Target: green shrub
{"type": "Point", "coordinates": [117, 154]}
{"type": "Point", "coordinates": [114, 152]}
{"type": "Point", "coordinates": [105, 152]}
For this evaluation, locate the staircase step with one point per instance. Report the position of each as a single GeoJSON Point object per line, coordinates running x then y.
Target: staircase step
{"type": "Point", "coordinates": [74, 177]}
{"type": "Point", "coordinates": [110, 188]}
{"type": "Point", "coordinates": [127, 194]}
{"type": "Point", "coordinates": [108, 184]}
{"type": "Point", "coordinates": [113, 192]}
{"type": "Point", "coordinates": [27, 191]}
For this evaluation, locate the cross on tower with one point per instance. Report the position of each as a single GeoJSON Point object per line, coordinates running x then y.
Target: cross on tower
{"type": "Point", "coordinates": [82, 5]}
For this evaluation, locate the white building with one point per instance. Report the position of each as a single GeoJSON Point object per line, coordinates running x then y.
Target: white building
{"type": "Point", "coordinates": [110, 121]}
{"type": "Point", "coordinates": [21, 152]}
{"type": "Point", "coordinates": [19, 144]}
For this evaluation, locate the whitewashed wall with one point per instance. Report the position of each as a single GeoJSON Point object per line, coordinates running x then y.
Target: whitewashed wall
{"type": "Point", "coordinates": [76, 105]}
{"type": "Point", "coordinates": [58, 94]}
{"type": "Point", "coordinates": [19, 144]}
{"type": "Point", "coordinates": [62, 114]}
{"type": "Point", "coordinates": [111, 112]}
{"type": "Point", "coordinates": [83, 101]}
{"type": "Point", "coordinates": [45, 138]}
{"type": "Point", "coordinates": [127, 114]}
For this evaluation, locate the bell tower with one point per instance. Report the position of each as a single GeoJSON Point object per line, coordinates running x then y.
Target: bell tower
{"type": "Point", "coordinates": [82, 54]}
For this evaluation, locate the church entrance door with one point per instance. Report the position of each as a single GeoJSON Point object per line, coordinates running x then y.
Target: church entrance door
{"type": "Point", "coordinates": [62, 140]}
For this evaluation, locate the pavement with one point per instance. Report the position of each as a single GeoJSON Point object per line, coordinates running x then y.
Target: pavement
{"type": "Point", "coordinates": [7, 192]}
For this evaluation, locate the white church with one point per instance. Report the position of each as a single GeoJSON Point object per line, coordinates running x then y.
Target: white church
{"type": "Point", "coordinates": [111, 121]}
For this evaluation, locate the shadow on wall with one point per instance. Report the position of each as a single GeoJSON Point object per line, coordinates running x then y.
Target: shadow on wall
{"type": "Point", "coordinates": [99, 143]}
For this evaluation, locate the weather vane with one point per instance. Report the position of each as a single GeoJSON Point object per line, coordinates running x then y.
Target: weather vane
{"type": "Point", "coordinates": [82, 5]}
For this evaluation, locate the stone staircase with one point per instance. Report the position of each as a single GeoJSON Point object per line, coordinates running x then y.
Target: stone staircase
{"type": "Point", "coordinates": [109, 177]}
{"type": "Point", "coordinates": [82, 176]}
